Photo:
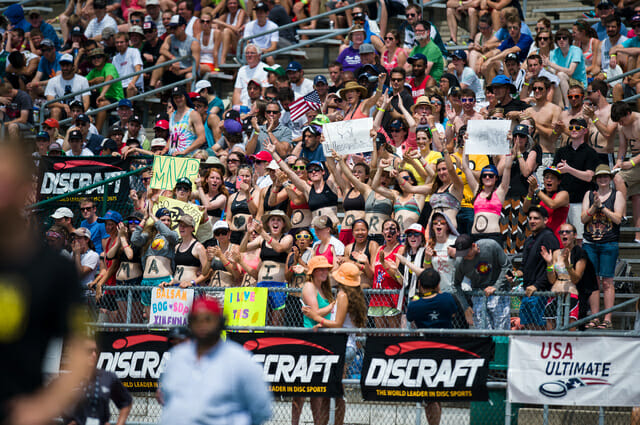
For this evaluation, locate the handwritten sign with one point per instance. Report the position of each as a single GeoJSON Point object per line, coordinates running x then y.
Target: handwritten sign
{"type": "Point", "coordinates": [245, 306]}
{"type": "Point", "coordinates": [347, 137]}
{"type": "Point", "coordinates": [178, 209]}
{"type": "Point", "coordinates": [488, 137]}
{"type": "Point", "coordinates": [170, 306]}
{"type": "Point", "coordinates": [167, 170]}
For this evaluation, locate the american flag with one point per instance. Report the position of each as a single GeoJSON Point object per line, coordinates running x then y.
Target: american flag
{"type": "Point", "coordinates": [306, 103]}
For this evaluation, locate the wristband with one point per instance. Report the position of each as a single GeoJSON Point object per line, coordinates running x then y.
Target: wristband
{"type": "Point", "coordinates": [227, 263]}
{"type": "Point", "coordinates": [595, 120]}
{"type": "Point", "coordinates": [428, 262]}
{"type": "Point", "coordinates": [379, 90]}
{"type": "Point", "coordinates": [278, 161]}
{"type": "Point", "coordinates": [381, 109]}
{"type": "Point", "coordinates": [485, 58]}
{"type": "Point", "coordinates": [322, 321]}
{"type": "Point", "coordinates": [449, 124]}
{"type": "Point", "coordinates": [590, 215]}
{"type": "Point", "coordinates": [257, 133]}
{"type": "Point", "coordinates": [270, 240]}
{"type": "Point", "coordinates": [529, 198]}
{"type": "Point", "coordinates": [526, 84]}
{"type": "Point", "coordinates": [553, 132]}
{"type": "Point", "coordinates": [633, 164]}
{"type": "Point", "coordinates": [519, 156]}
{"type": "Point", "coordinates": [550, 269]}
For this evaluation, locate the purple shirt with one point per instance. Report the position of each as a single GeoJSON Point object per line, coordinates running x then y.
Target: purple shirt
{"type": "Point", "coordinates": [350, 59]}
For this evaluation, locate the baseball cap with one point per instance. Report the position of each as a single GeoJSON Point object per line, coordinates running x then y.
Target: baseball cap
{"type": "Point", "coordinates": [206, 305]}
{"type": "Point", "coordinates": [255, 81]}
{"type": "Point", "coordinates": [62, 212]}
{"type": "Point", "coordinates": [46, 43]}
{"type": "Point", "coordinates": [202, 84]}
{"type": "Point", "coordinates": [489, 169]}
{"type": "Point", "coordinates": [148, 25]}
{"type": "Point", "coordinates": [184, 181]}
{"type": "Point", "coordinates": [66, 58]}
{"type": "Point", "coordinates": [634, 20]}
{"type": "Point", "coordinates": [75, 103]}
{"type": "Point", "coordinates": [460, 54]}
{"type": "Point", "coordinates": [262, 156]}
{"type": "Point", "coordinates": [52, 123]}
{"type": "Point", "coordinates": [82, 232]}
{"type": "Point", "coordinates": [502, 80]}
{"type": "Point", "coordinates": [158, 142]}
{"type": "Point", "coordinates": [578, 121]}
{"type": "Point", "coordinates": [100, 4]}
{"type": "Point", "coordinates": [512, 57]}
{"type": "Point", "coordinates": [135, 118]}
{"type": "Point", "coordinates": [75, 134]}
{"type": "Point", "coordinates": [152, 3]}
{"type": "Point", "coordinates": [109, 144]}
{"type": "Point", "coordinates": [540, 209]}
{"type": "Point", "coordinates": [55, 147]}
{"type": "Point", "coordinates": [220, 224]}
{"type": "Point", "coordinates": [83, 118]}
{"type": "Point", "coordinates": [111, 215]}
{"type": "Point", "coordinates": [320, 120]}
{"type": "Point", "coordinates": [605, 4]}
{"type": "Point", "coordinates": [521, 129]}
{"type": "Point", "coordinates": [261, 6]}
{"type": "Point", "coordinates": [77, 31]}
{"type": "Point", "coordinates": [462, 245]}
{"type": "Point", "coordinates": [321, 222]}
{"type": "Point", "coordinates": [366, 48]}
{"type": "Point", "coordinates": [177, 20]}
{"type": "Point", "coordinates": [126, 103]}
{"type": "Point", "coordinates": [107, 32]}
{"type": "Point", "coordinates": [276, 69]}
{"type": "Point", "coordinates": [116, 129]}
{"type": "Point", "coordinates": [163, 212]}
{"type": "Point", "coordinates": [552, 170]}
{"type": "Point", "coordinates": [294, 66]}
{"type": "Point", "coordinates": [320, 79]}
{"type": "Point", "coordinates": [416, 57]}
{"type": "Point", "coordinates": [397, 124]}
{"type": "Point", "coordinates": [316, 163]}
{"type": "Point", "coordinates": [232, 114]}
{"type": "Point", "coordinates": [356, 28]}
{"type": "Point", "coordinates": [42, 135]}
{"type": "Point", "coordinates": [415, 227]}
{"type": "Point", "coordinates": [187, 220]}
{"type": "Point", "coordinates": [163, 124]}
{"type": "Point", "coordinates": [136, 30]}
{"type": "Point", "coordinates": [98, 51]}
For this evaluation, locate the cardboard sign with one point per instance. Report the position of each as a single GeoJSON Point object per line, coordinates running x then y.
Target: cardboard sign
{"type": "Point", "coordinates": [245, 306]}
{"type": "Point", "coordinates": [347, 137]}
{"type": "Point", "coordinates": [178, 209]}
{"type": "Point", "coordinates": [488, 137]}
{"type": "Point", "coordinates": [167, 170]}
{"type": "Point", "coordinates": [170, 306]}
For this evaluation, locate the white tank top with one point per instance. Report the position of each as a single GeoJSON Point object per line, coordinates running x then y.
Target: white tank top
{"type": "Point", "coordinates": [235, 18]}
{"type": "Point", "coordinates": [190, 24]}
{"type": "Point", "coordinates": [206, 52]}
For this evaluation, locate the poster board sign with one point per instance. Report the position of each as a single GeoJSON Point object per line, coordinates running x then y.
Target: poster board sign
{"type": "Point", "coordinates": [245, 306]}
{"type": "Point", "coordinates": [138, 358]}
{"type": "Point", "coordinates": [298, 364]}
{"type": "Point", "coordinates": [170, 306]}
{"type": "Point", "coordinates": [412, 369]}
{"type": "Point", "coordinates": [347, 137]}
{"type": "Point", "coordinates": [167, 170]}
{"type": "Point", "coordinates": [177, 209]}
{"type": "Point", "coordinates": [488, 137]}
{"type": "Point", "coordinates": [588, 371]}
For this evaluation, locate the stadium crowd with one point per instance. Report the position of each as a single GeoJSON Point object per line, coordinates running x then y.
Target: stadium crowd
{"type": "Point", "coordinates": [282, 212]}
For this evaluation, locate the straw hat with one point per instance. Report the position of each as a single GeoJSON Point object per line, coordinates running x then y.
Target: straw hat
{"type": "Point", "coordinates": [277, 213]}
{"type": "Point", "coordinates": [352, 85]}
{"type": "Point", "coordinates": [422, 100]}
{"type": "Point", "coordinates": [348, 274]}
{"type": "Point", "coordinates": [318, 262]}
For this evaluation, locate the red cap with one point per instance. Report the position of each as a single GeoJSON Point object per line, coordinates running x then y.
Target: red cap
{"type": "Point", "coordinates": [262, 156]}
{"type": "Point", "coordinates": [208, 305]}
{"type": "Point", "coordinates": [193, 94]}
{"type": "Point", "coordinates": [52, 123]}
{"type": "Point", "coordinates": [163, 124]}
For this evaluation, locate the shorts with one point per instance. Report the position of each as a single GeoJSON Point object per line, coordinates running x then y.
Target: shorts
{"type": "Point", "coordinates": [211, 67]}
{"type": "Point", "coordinates": [382, 311]}
{"type": "Point", "coordinates": [377, 238]}
{"type": "Point", "coordinates": [603, 256]}
{"type": "Point", "coordinates": [532, 311]}
{"type": "Point", "coordinates": [145, 296]}
{"type": "Point", "coordinates": [498, 237]}
{"type": "Point", "coordinates": [108, 302]}
{"type": "Point", "coordinates": [331, 5]}
{"type": "Point", "coordinates": [346, 236]}
{"type": "Point", "coordinates": [275, 300]}
{"type": "Point", "coordinates": [575, 211]}
{"type": "Point", "coordinates": [551, 309]}
{"type": "Point", "coordinates": [122, 295]}
{"type": "Point", "coordinates": [631, 178]}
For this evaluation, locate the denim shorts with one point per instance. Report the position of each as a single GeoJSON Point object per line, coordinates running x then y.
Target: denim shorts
{"type": "Point", "coordinates": [603, 256]}
{"type": "Point", "coordinates": [275, 300]}
{"type": "Point", "coordinates": [531, 311]}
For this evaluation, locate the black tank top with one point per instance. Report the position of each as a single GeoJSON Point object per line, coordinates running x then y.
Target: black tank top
{"type": "Point", "coordinates": [326, 198]}
{"type": "Point", "coordinates": [136, 255]}
{"type": "Point", "coordinates": [270, 254]}
{"type": "Point", "coordinates": [218, 211]}
{"type": "Point", "coordinates": [353, 204]}
{"type": "Point", "coordinates": [239, 207]}
{"type": "Point", "coordinates": [365, 252]}
{"type": "Point", "coordinates": [282, 206]}
{"type": "Point", "coordinates": [187, 258]}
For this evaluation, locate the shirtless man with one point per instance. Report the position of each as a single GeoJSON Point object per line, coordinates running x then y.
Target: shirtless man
{"type": "Point", "coordinates": [576, 103]}
{"type": "Point", "coordinates": [544, 113]}
{"type": "Point", "coordinates": [629, 128]}
{"type": "Point", "coordinates": [535, 70]}
{"type": "Point", "coordinates": [468, 99]}
{"type": "Point", "coordinates": [602, 129]}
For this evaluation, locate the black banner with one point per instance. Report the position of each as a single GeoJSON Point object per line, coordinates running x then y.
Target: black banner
{"type": "Point", "coordinates": [419, 369]}
{"type": "Point", "coordinates": [137, 358]}
{"type": "Point", "coordinates": [297, 364]}
{"type": "Point", "coordinates": [59, 175]}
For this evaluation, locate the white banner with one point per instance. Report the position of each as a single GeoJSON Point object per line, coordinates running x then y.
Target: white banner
{"type": "Point", "coordinates": [488, 137]}
{"type": "Point", "coordinates": [170, 306]}
{"type": "Point", "coordinates": [347, 137]}
{"type": "Point", "coordinates": [589, 371]}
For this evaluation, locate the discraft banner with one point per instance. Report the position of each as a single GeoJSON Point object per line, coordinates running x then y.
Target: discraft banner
{"type": "Point", "coordinates": [298, 364]}
{"type": "Point", "coordinates": [137, 358]}
{"type": "Point", "coordinates": [59, 175]}
{"type": "Point", "coordinates": [417, 369]}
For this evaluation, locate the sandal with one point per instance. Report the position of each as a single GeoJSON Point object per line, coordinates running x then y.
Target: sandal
{"type": "Point", "coordinates": [593, 324]}
{"type": "Point", "coordinates": [605, 324]}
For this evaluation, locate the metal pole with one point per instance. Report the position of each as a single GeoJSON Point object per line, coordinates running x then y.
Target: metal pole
{"type": "Point", "coordinates": [601, 416]}
{"type": "Point", "coordinates": [507, 412]}
{"type": "Point", "coordinates": [129, 305]}
{"type": "Point", "coordinates": [418, 413]}
{"type": "Point", "coordinates": [545, 415]}
{"type": "Point", "coordinates": [332, 411]}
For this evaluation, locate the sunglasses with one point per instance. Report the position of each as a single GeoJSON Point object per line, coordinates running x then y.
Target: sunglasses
{"type": "Point", "coordinates": [413, 234]}
{"type": "Point", "coordinates": [208, 21]}
{"type": "Point", "coordinates": [543, 38]}
{"type": "Point", "coordinates": [300, 236]}
{"type": "Point", "coordinates": [538, 88]}
{"type": "Point", "coordinates": [183, 189]}
{"type": "Point", "coordinates": [496, 118]}
{"type": "Point", "coordinates": [314, 170]}
{"type": "Point", "coordinates": [220, 232]}
{"type": "Point", "coordinates": [467, 100]}
{"type": "Point", "coordinates": [272, 112]}
{"type": "Point", "coordinates": [233, 160]}
{"type": "Point", "coordinates": [406, 178]}
{"type": "Point", "coordinates": [397, 79]}
{"type": "Point", "coordinates": [411, 15]}
{"type": "Point", "coordinates": [396, 130]}
{"type": "Point", "coordinates": [562, 37]}
{"type": "Point", "coordinates": [389, 38]}
{"type": "Point", "coordinates": [81, 123]}
{"type": "Point", "coordinates": [271, 99]}
{"type": "Point", "coordinates": [574, 96]}
{"type": "Point", "coordinates": [134, 221]}
{"type": "Point", "coordinates": [564, 232]}
{"type": "Point", "coordinates": [575, 127]}
{"type": "Point", "coordinates": [299, 167]}
{"type": "Point", "coordinates": [148, 31]}
{"type": "Point", "coordinates": [146, 179]}
{"type": "Point", "coordinates": [436, 102]}
{"type": "Point", "coordinates": [86, 208]}
{"type": "Point", "coordinates": [439, 223]}
{"type": "Point", "coordinates": [488, 176]}
{"type": "Point", "coordinates": [259, 161]}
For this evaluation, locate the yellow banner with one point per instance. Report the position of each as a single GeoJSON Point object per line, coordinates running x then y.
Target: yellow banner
{"type": "Point", "coordinates": [178, 208]}
{"type": "Point", "coordinates": [245, 306]}
{"type": "Point", "coordinates": [167, 170]}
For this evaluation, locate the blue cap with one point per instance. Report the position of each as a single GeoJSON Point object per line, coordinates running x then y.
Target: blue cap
{"type": "Point", "coordinates": [460, 54]}
{"type": "Point", "coordinates": [320, 79]}
{"type": "Point", "coordinates": [162, 212]}
{"type": "Point", "coordinates": [318, 163]}
{"type": "Point", "coordinates": [416, 57]}
{"type": "Point", "coordinates": [42, 135]}
{"type": "Point", "coordinates": [83, 118]}
{"type": "Point", "coordinates": [111, 215]}
{"type": "Point", "coordinates": [125, 102]}
{"type": "Point", "coordinates": [489, 169]}
{"type": "Point", "coordinates": [294, 66]}
{"type": "Point", "coordinates": [502, 80]}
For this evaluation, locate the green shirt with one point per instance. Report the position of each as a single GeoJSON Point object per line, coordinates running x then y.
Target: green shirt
{"type": "Point", "coordinates": [433, 54]}
{"type": "Point", "coordinates": [115, 90]}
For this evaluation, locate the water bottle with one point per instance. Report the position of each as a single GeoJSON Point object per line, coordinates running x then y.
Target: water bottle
{"type": "Point", "coordinates": [36, 114]}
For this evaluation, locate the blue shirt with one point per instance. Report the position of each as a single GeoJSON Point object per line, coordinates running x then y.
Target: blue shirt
{"type": "Point", "coordinates": [524, 43]}
{"type": "Point", "coordinates": [50, 33]}
{"type": "Point", "coordinates": [317, 155]}
{"type": "Point", "coordinates": [98, 233]}
{"type": "Point", "coordinates": [632, 42]}
{"type": "Point", "coordinates": [573, 55]}
{"type": "Point", "coordinates": [502, 34]}
{"type": "Point", "coordinates": [435, 312]}
{"type": "Point", "coordinates": [223, 386]}
{"type": "Point", "coordinates": [49, 69]}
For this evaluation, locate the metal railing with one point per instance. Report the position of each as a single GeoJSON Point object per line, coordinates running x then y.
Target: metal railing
{"type": "Point", "coordinates": [118, 80]}
{"type": "Point", "coordinates": [244, 40]}
{"type": "Point", "coordinates": [2, 9]}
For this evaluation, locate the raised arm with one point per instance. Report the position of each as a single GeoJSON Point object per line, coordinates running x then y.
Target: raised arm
{"type": "Point", "coordinates": [300, 184]}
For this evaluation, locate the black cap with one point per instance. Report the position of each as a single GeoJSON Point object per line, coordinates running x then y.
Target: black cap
{"type": "Point", "coordinates": [579, 121]}
{"type": "Point", "coordinates": [605, 4]}
{"type": "Point", "coordinates": [75, 103]}
{"type": "Point", "coordinates": [262, 6]}
{"type": "Point", "coordinates": [99, 4]}
{"type": "Point", "coordinates": [232, 114]}
{"type": "Point", "coordinates": [116, 129]}
{"type": "Point", "coordinates": [83, 118]}
{"type": "Point", "coordinates": [521, 129]}
{"type": "Point", "coordinates": [75, 134]}
{"type": "Point", "coordinates": [540, 209]}
{"type": "Point", "coordinates": [462, 245]}
{"type": "Point", "coordinates": [109, 144]}
{"type": "Point", "coordinates": [135, 118]}
{"type": "Point", "coordinates": [512, 57]}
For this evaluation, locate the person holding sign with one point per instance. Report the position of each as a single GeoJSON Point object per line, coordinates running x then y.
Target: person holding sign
{"type": "Point", "coordinates": [158, 242]}
{"type": "Point", "coordinates": [190, 258]}
{"type": "Point", "coordinates": [274, 244]}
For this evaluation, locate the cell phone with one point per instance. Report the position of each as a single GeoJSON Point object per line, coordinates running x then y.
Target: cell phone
{"type": "Point", "coordinates": [238, 182]}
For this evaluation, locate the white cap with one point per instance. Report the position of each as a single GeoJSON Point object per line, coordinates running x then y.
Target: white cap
{"type": "Point", "coordinates": [152, 3]}
{"type": "Point", "coordinates": [83, 231]}
{"type": "Point", "coordinates": [158, 142]}
{"type": "Point", "coordinates": [220, 224]}
{"type": "Point", "coordinates": [273, 165]}
{"type": "Point", "coordinates": [202, 84]}
{"type": "Point", "coordinates": [62, 212]}
{"type": "Point", "coordinates": [66, 58]}
{"type": "Point", "coordinates": [415, 227]}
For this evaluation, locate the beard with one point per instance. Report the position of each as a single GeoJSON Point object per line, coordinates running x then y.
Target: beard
{"type": "Point", "coordinates": [420, 37]}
